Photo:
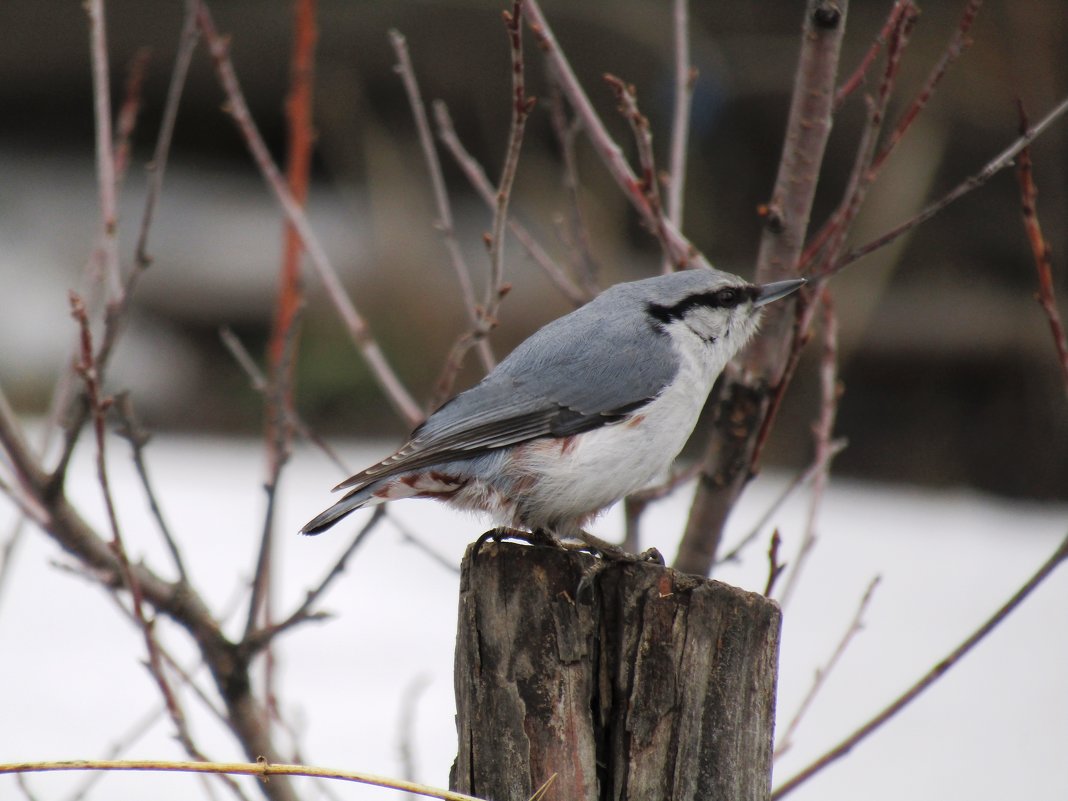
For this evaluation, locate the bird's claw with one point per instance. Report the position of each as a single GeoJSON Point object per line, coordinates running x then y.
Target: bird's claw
{"type": "Point", "coordinates": [536, 538]}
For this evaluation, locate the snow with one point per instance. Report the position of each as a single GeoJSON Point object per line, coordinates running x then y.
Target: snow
{"type": "Point", "coordinates": [996, 727]}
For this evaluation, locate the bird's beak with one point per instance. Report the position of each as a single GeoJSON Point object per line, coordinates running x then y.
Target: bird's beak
{"type": "Point", "coordinates": [779, 289]}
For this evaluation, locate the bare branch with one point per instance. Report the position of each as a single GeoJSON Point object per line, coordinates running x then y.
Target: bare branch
{"type": "Point", "coordinates": [785, 742]}
{"type": "Point", "coordinates": [105, 155]}
{"type": "Point", "coordinates": [138, 438]}
{"type": "Point", "coordinates": [831, 237]}
{"type": "Point", "coordinates": [958, 42]}
{"type": "Point", "coordinates": [1042, 252]}
{"type": "Point", "coordinates": [627, 97]}
{"type": "Point", "coordinates": [929, 678]}
{"type": "Point", "coordinates": [997, 164]}
{"type": "Point", "coordinates": [775, 567]}
{"type": "Point", "coordinates": [187, 43]}
{"type": "Point", "coordinates": [126, 121]}
{"type": "Point", "coordinates": [476, 176]}
{"type": "Point", "coordinates": [746, 403]}
{"type": "Point", "coordinates": [822, 431]}
{"type": "Point", "coordinates": [800, 480]}
{"type": "Point", "coordinates": [680, 250]}
{"type": "Point", "coordinates": [441, 196]}
{"type": "Point", "coordinates": [356, 326]}
{"type": "Point", "coordinates": [572, 226]}
{"type": "Point", "coordinates": [263, 769]}
{"type": "Point", "coordinates": [685, 77]}
{"type": "Point", "coordinates": [256, 640]}
{"type": "Point", "coordinates": [900, 9]}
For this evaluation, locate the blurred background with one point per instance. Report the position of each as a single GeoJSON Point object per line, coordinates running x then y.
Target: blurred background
{"type": "Point", "coordinates": [949, 369]}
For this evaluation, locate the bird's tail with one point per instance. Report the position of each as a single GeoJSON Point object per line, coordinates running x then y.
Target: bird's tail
{"type": "Point", "coordinates": [354, 500]}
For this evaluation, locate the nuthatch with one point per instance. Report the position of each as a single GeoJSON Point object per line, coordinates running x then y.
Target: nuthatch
{"type": "Point", "coordinates": [592, 407]}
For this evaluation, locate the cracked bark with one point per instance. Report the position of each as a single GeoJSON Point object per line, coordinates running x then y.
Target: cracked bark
{"type": "Point", "coordinates": [652, 684]}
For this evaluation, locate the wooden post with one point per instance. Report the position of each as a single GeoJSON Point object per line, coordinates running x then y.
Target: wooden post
{"type": "Point", "coordinates": [649, 684]}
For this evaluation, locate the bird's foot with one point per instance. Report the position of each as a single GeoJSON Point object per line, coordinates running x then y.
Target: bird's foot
{"type": "Point", "coordinates": [610, 552]}
{"type": "Point", "coordinates": [538, 537]}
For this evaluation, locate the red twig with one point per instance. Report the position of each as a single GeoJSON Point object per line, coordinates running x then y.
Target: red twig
{"type": "Point", "coordinates": [1042, 252]}
{"type": "Point", "coordinates": [357, 327]}
{"type": "Point", "coordinates": [128, 111]}
{"type": "Point", "coordinates": [859, 76]}
{"type": "Point", "coordinates": [929, 678]}
{"type": "Point", "coordinates": [298, 170]}
{"type": "Point", "coordinates": [958, 43]}
{"type": "Point", "coordinates": [648, 184]}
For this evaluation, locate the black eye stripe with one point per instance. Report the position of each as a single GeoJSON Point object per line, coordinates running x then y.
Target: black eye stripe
{"type": "Point", "coordinates": [725, 298]}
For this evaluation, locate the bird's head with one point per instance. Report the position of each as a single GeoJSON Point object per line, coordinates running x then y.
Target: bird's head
{"type": "Point", "coordinates": [721, 309]}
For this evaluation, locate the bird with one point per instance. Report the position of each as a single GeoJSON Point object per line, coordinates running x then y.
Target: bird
{"type": "Point", "coordinates": [590, 408]}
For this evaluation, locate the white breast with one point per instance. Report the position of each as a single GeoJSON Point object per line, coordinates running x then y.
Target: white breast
{"type": "Point", "coordinates": [566, 481]}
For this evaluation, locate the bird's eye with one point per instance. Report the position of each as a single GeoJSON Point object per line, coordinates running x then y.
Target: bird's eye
{"type": "Point", "coordinates": [727, 297]}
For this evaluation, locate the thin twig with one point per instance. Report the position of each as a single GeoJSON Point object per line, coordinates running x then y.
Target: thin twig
{"type": "Point", "coordinates": [445, 222]}
{"type": "Point", "coordinates": [126, 121]}
{"type": "Point", "coordinates": [685, 77]}
{"type": "Point", "coordinates": [831, 237]}
{"type": "Point", "coordinates": [408, 537]}
{"type": "Point", "coordinates": [187, 43]}
{"type": "Point", "coordinates": [997, 164]}
{"type": "Point", "coordinates": [800, 480]}
{"type": "Point", "coordinates": [258, 382]}
{"type": "Point", "coordinates": [138, 438]}
{"type": "Point", "coordinates": [357, 327]}
{"type": "Point", "coordinates": [99, 405]}
{"type": "Point", "coordinates": [256, 640]}
{"type": "Point", "coordinates": [476, 176]}
{"type": "Point", "coordinates": [859, 75]}
{"type": "Point", "coordinates": [522, 105]}
{"type": "Point", "coordinates": [496, 288]}
{"type": "Point", "coordinates": [1042, 252]}
{"type": "Point", "coordinates": [627, 98]}
{"type": "Point", "coordinates": [170, 701]}
{"type": "Point", "coordinates": [575, 232]}
{"type": "Point", "coordinates": [108, 245]}
{"type": "Point", "coordinates": [929, 678]}
{"type": "Point", "coordinates": [262, 769]}
{"type": "Point", "coordinates": [775, 567]}
{"type": "Point", "coordinates": [958, 43]}
{"type": "Point", "coordinates": [822, 432]}
{"type": "Point", "coordinates": [819, 680]}
{"type": "Point", "coordinates": [680, 250]}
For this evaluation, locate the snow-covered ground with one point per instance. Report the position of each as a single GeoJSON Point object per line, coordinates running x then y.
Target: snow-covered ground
{"type": "Point", "coordinates": [71, 682]}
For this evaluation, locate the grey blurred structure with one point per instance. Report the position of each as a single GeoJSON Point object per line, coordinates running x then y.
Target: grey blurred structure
{"type": "Point", "coordinates": [948, 365]}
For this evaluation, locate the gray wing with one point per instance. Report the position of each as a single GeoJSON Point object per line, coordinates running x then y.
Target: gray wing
{"type": "Point", "coordinates": [595, 366]}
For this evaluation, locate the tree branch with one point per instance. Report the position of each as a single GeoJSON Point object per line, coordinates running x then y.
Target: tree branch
{"type": "Point", "coordinates": [935, 673]}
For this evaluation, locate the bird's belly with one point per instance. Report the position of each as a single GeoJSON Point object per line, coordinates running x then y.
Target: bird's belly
{"type": "Point", "coordinates": [566, 480]}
